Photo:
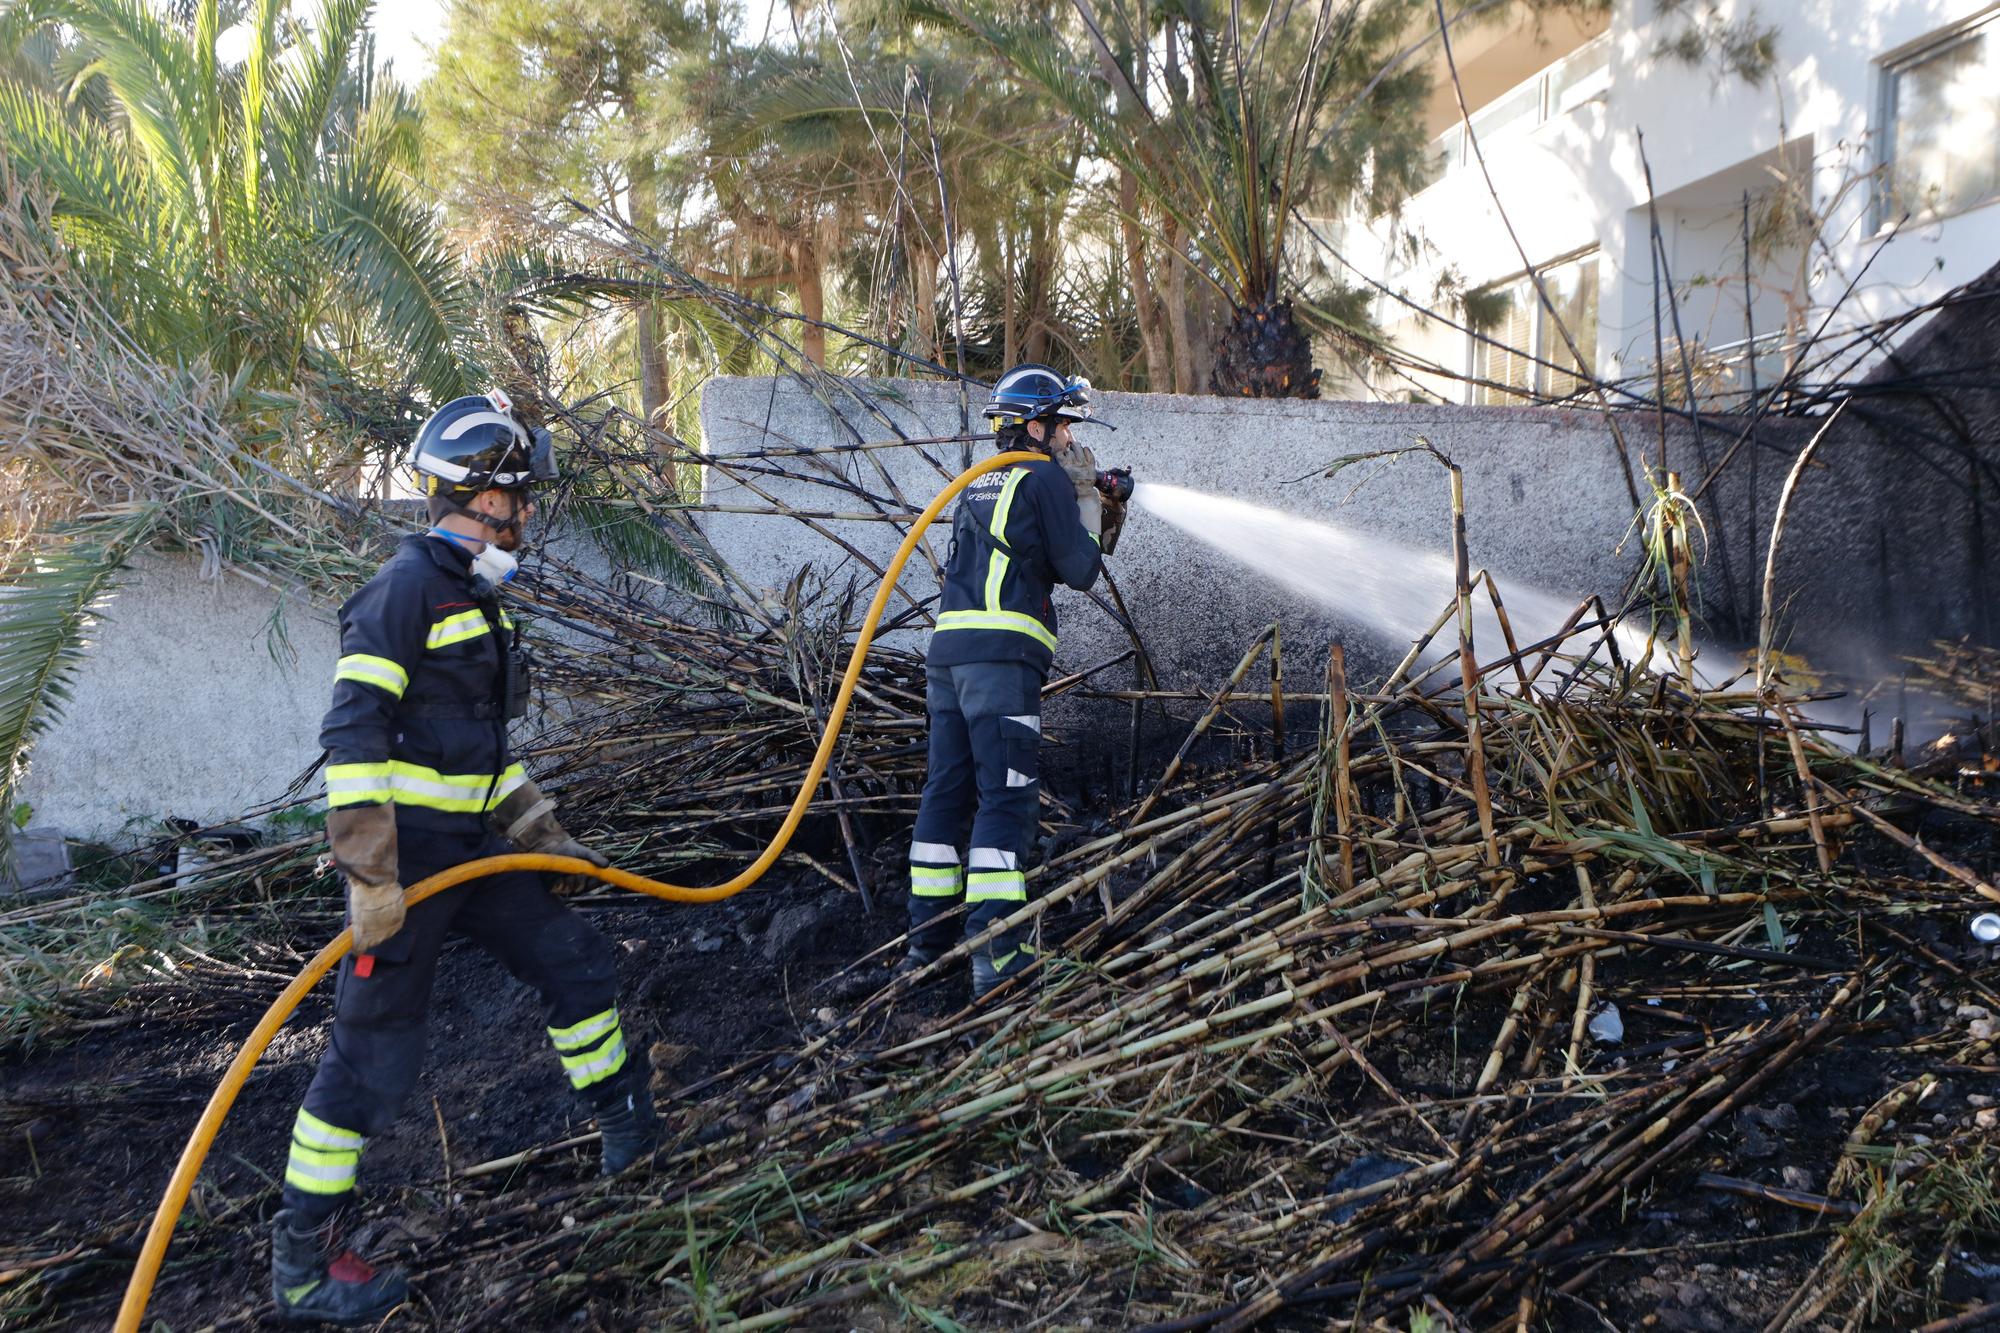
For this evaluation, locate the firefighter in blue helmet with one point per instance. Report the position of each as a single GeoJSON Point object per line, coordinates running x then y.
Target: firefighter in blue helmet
{"type": "Point", "coordinates": [1016, 534]}
{"type": "Point", "coordinates": [418, 780]}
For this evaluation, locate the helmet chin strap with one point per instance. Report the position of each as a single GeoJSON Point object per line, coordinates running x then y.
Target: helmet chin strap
{"type": "Point", "coordinates": [1043, 445]}
{"type": "Point", "coordinates": [492, 564]}
{"type": "Point", "coordinates": [512, 523]}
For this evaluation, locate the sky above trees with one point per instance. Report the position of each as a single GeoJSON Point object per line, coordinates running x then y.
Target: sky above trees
{"type": "Point", "coordinates": [407, 32]}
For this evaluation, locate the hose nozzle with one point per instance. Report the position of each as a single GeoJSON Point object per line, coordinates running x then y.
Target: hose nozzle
{"type": "Point", "coordinates": [1116, 484]}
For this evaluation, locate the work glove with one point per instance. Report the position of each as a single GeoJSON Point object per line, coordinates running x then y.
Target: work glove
{"type": "Point", "coordinates": [1114, 523]}
{"type": "Point", "coordinates": [1080, 466]}
{"type": "Point", "coordinates": [363, 838]}
{"type": "Point", "coordinates": [528, 820]}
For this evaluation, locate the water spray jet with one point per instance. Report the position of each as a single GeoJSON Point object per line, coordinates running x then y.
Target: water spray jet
{"type": "Point", "coordinates": [1393, 589]}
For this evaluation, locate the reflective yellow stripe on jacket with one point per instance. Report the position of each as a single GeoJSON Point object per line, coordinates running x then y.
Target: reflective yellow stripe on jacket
{"type": "Point", "coordinates": [383, 674]}
{"type": "Point", "coordinates": [992, 616]}
{"type": "Point", "coordinates": [465, 625]}
{"type": "Point", "coordinates": [1018, 621]}
{"type": "Point", "coordinates": [412, 784]}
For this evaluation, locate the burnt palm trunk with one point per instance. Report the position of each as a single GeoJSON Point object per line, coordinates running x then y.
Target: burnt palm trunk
{"type": "Point", "coordinates": [1264, 354]}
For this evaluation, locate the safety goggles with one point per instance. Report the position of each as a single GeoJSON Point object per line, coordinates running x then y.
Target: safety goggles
{"type": "Point", "coordinates": [541, 464]}
{"type": "Point", "coordinates": [541, 455]}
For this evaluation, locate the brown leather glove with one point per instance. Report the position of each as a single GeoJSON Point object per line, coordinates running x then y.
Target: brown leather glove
{"type": "Point", "coordinates": [528, 820]}
{"type": "Point", "coordinates": [363, 838]}
{"type": "Point", "coordinates": [1079, 464]}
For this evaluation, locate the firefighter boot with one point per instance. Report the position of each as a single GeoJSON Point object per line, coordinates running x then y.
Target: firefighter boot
{"type": "Point", "coordinates": [312, 1284]}
{"type": "Point", "coordinates": [994, 963]}
{"type": "Point", "coordinates": [1004, 957]}
{"type": "Point", "coordinates": [1011, 952]}
{"type": "Point", "coordinates": [627, 1128]}
{"type": "Point", "coordinates": [914, 960]}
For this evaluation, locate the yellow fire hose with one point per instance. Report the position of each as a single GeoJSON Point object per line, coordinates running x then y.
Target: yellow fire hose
{"type": "Point", "coordinates": [140, 1288]}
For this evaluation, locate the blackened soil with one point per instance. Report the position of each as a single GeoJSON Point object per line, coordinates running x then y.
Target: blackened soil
{"type": "Point", "coordinates": [90, 1130]}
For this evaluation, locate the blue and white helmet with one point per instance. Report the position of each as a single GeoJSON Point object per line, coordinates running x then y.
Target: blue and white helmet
{"type": "Point", "coordinates": [476, 443]}
{"type": "Point", "coordinates": [1035, 392]}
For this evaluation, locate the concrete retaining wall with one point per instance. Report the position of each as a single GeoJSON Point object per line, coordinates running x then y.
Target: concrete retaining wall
{"type": "Point", "coordinates": [188, 704]}
{"type": "Point", "coordinates": [200, 699]}
{"type": "Point", "coordinates": [184, 708]}
{"type": "Point", "coordinates": [1546, 503]}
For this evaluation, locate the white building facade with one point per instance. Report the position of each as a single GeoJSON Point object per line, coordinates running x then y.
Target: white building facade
{"type": "Point", "coordinates": [1862, 168]}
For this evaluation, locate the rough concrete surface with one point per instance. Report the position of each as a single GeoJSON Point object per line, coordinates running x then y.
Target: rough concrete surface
{"type": "Point", "coordinates": [183, 708]}
{"type": "Point", "coordinates": [186, 705]}
{"type": "Point", "coordinates": [1546, 506]}
{"type": "Point", "coordinates": [1888, 543]}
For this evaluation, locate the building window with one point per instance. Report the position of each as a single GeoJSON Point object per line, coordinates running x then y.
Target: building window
{"type": "Point", "coordinates": [1522, 354]}
{"type": "Point", "coordinates": [1941, 140]}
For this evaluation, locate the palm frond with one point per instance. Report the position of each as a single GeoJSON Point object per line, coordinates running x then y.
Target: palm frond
{"type": "Point", "coordinates": [94, 182]}
{"type": "Point", "coordinates": [390, 129]}
{"type": "Point", "coordinates": [553, 283]}
{"type": "Point", "coordinates": [47, 608]}
{"type": "Point", "coordinates": [105, 206]}
{"type": "Point", "coordinates": [21, 22]}
{"type": "Point", "coordinates": [204, 102]}
{"type": "Point", "coordinates": [308, 86]}
{"type": "Point", "coordinates": [631, 540]}
{"type": "Point", "coordinates": [387, 249]}
{"type": "Point", "coordinates": [799, 97]}
{"type": "Point", "coordinates": [1176, 172]}
{"type": "Point", "coordinates": [256, 92]}
{"type": "Point", "coordinates": [150, 68]}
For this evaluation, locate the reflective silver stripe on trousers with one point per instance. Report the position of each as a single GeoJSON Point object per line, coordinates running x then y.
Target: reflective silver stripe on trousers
{"type": "Point", "coordinates": [328, 1138]}
{"type": "Point", "coordinates": [332, 1175]}
{"type": "Point", "coordinates": [572, 1039]}
{"type": "Point", "coordinates": [588, 1071]}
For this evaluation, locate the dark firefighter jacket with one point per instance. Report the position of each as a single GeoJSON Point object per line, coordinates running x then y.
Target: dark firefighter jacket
{"type": "Point", "coordinates": [421, 692]}
{"type": "Point", "coordinates": [1015, 536]}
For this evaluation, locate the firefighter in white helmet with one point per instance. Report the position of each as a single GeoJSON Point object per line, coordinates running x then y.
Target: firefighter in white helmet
{"type": "Point", "coordinates": [419, 779]}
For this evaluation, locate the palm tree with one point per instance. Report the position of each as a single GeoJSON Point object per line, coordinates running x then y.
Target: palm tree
{"type": "Point", "coordinates": [841, 158]}
{"type": "Point", "coordinates": [255, 225]}
{"type": "Point", "coordinates": [792, 177]}
{"type": "Point", "coordinates": [1217, 118]}
{"type": "Point", "coordinates": [536, 102]}
{"type": "Point", "coordinates": [260, 219]}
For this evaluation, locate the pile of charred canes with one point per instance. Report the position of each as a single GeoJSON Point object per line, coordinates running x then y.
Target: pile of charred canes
{"type": "Point", "coordinates": [1438, 1020]}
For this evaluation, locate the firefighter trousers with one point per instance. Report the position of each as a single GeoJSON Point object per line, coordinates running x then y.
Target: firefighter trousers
{"type": "Point", "coordinates": [976, 824]}
{"type": "Point", "coordinates": [381, 1001]}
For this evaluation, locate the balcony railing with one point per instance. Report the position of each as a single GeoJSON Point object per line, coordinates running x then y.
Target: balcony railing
{"type": "Point", "coordinates": [1584, 75]}
{"type": "Point", "coordinates": [1721, 373]}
